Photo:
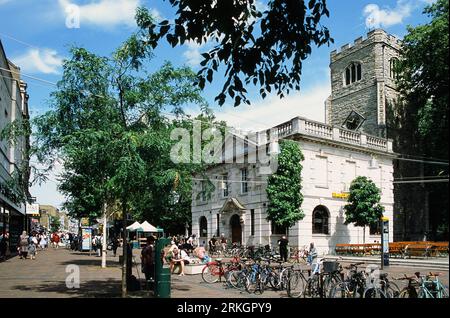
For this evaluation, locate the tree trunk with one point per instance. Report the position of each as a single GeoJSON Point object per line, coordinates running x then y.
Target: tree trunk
{"type": "Point", "coordinates": [104, 244]}
{"type": "Point", "coordinates": [364, 234]}
{"type": "Point", "coordinates": [125, 252]}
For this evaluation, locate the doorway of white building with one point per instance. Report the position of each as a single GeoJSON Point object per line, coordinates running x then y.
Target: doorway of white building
{"type": "Point", "coordinates": [236, 229]}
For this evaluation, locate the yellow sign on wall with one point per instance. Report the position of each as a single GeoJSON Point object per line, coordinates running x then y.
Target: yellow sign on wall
{"type": "Point", "coordinates": [343, 195]}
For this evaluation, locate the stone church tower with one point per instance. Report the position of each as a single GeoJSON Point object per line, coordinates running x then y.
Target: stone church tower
{"type": "Point", "coordinates": [363, 96]}
{"type": "Point", "coordinates": [363, 83]}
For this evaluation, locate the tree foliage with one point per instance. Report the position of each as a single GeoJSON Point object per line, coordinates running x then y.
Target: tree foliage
{"type": "Point", "coordinates": [419, 123]}
{"type": "Point", "coordinates": [264, 47]}
{"type": "Point", "coordinates": [284, 187]}
{"type": "Point", "coordinates": [424, 76]}
{"type": "Point", "coordinates": [363, 206]}
{"type": "Point", "coordinates": [108, 127]}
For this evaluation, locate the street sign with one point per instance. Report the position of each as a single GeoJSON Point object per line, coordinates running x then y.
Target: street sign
{"type": "Point", "coordinates": [32, 209]}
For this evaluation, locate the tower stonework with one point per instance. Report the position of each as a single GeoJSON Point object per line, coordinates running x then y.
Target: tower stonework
{"type": "Point", "coordinates": [363, 81]}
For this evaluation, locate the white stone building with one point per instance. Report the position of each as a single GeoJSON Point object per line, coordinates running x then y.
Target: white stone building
{"type": "Point", "coordinates": [334, 156]}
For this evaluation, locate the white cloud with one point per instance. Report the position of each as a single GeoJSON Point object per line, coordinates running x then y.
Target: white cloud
{"type": "Point", "coordinates": [35, 60]}
{"type": "Point", "coordinates": [105, 13]}
{"type": "Point", "coordinates": [275, 111]}
{"type": "Point", "coordinates": [377, 17]}
{"type": "Point", "coordinates": [192, 54]}
{"type": "Point", "coordinates": [4, 1]}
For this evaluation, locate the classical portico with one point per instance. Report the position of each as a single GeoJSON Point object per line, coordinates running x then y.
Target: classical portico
{"type": "Point", "coordinates": [232, 220]}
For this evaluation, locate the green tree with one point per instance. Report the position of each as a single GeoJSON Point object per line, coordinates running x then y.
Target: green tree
{"type": "Point", "coordinates": [107, 127]}
{"type": "Point", "coordinates": [55, 224]}
{"type": "Point", "coordinates": [363, 208]}
{"type": "Point", "coordinates": [284, 187]}
{"type": "Point", "coordinates": [420, 121]}
{"type": "Point", "coordinates": [264, 47]}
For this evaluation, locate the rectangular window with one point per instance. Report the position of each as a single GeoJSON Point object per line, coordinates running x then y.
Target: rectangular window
{"type": "Point", "coordinates": [244, 179]}
{"type": "Point", "coordinates": [321, 172]}
{"type": "Point", "coordinates": [349, 173]}
{"type": "Point", "coordinates": [225, 189]}
{"type": "Point", "coordinates": [203, 191]}
{"type": "Point", "coordinates": [218, 225]}
{"type": "Point", "coordinates": [252, 223]}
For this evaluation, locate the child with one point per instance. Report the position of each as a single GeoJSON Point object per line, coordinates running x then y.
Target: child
{"type": "Point", "coordinates": [32, 250]}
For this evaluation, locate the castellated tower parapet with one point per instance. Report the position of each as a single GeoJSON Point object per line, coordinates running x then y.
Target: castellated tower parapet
{"type": "Point", "coordinates": [363, 81]}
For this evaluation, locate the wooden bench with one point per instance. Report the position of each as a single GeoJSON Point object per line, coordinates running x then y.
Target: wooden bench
{"type": "Point", "coordinates": [416, 249]}
{"type": "Point", "coordinates": [397, 249]}
{"type": "Point", "coordinates": [439, 248]}
{"type": "Point", "coordinates": [342, 249]}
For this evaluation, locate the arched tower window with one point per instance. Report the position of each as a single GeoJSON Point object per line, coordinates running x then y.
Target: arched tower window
{"type": "Point", "coordinates": [320, 220]}
{"type": "Point", "coordinates": [393, 65]}
{"type": "Point", "coordinates": [353, 73]}
{"type": "Point", "coordinates": [203, 227]}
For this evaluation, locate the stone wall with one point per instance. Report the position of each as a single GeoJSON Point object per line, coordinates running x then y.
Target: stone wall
{"type": "Point", "coordinates": [367, 96]}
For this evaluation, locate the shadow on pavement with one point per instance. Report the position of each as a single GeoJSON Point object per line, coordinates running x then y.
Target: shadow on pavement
{"type": "Point", "coordinates": [91, 262]}
{"type": "Point", "coordinates": [91, 289]}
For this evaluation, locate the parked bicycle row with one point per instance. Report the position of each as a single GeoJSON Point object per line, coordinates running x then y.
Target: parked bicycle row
{"type": "Point", "coordinates": [323, 278]}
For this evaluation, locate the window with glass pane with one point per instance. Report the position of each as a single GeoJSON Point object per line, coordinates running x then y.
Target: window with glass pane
{"type": "Point", "coordinates": [244, 178]}
{"type": "Point", "coordinates": [320, 220]}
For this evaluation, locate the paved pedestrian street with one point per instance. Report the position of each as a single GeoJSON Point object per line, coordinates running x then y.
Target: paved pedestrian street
{"type": "Point", "coordinates": [46, 277]}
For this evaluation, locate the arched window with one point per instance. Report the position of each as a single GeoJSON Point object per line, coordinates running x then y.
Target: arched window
{"type": "Point", "coordinates": [320, 220]}
{"type": "Point", "coordinates": [393, 65]}
{"type": "Point", "coordinates": [203, 227]}
{"type": "Point", "coordinates": [353, 73]}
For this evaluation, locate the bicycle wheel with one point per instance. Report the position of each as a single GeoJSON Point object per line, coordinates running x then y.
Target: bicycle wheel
{"type": "Point", "coordinates": [407, 293]}
{"type": "Point", "coordinates": [211, 273]}
{"type": "Point", "coordinates": [328, 283]}
{"type": "Point", "coordinates": [374, 292]}
{"type": "Point", "coordinates": [296, 285]}
{"type": "Point", "coordinates": [392, 290]}
{"type": "Point", "coordinates": [340, 290]}
{"type": "Point", "coordinates": [250, 283]}
{"type": "Point", "coordinates": [274, 280]}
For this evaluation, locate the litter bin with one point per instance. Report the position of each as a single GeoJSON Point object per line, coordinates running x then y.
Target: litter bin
{"type": "Point", "coordinates": [162, 271]}
{"type": "Point", "coordinates": [162, 286]}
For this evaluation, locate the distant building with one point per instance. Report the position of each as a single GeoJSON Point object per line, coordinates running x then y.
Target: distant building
{"type": "Point", "coordinates": [13, 106]}
{"type": "Point", "coordinates": [49, 213]}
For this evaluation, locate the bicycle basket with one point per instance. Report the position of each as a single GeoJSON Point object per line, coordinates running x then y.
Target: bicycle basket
{"type": "Point", "coordinates": [329, 267]}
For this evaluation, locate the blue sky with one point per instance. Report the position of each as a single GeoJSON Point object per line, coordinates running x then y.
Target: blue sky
{"type": "Point", "coordinates": [35, 36]}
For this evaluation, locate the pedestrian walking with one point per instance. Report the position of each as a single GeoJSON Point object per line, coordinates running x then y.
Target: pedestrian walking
{"type": "Point", "coordinates": [115, 245]}
{"type": "Point", "coordinates": [32, 249]}
{"type": "Point", "coordinates": [3, 246]}
{"type": "Point", "coordinates": [23, 245]}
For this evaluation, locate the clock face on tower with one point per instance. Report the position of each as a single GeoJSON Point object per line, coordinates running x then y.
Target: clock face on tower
{"type": "Point", "coordinates": [354, 121]}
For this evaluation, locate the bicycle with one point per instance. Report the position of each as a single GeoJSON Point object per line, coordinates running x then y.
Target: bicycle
{"type": "Point", "coordinates": [215, 270]}
{"type": "Point", "coordinates": [351, 287]}
{"type": "Point", "coordinates": [374, 286]}
{"type": "Point", "coordinates": [297, 283]}
{"type": "Point", "coordinates": [431, 288]}
{"type": "Point", "coordinates": [410, 291]}
{"type": "Point", "coordinates": [326, 275]}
